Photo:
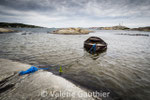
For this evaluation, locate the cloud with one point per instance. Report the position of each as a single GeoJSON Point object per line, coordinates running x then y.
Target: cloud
{"type": "Point", "coordinates": [76, 13]}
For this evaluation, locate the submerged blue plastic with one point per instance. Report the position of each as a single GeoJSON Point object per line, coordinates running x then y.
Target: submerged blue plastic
{"type": "Point", "coordinates": [32, 69]}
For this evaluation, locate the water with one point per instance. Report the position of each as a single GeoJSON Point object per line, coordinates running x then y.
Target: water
{"type": "Point", "coordinates": [124, 69]}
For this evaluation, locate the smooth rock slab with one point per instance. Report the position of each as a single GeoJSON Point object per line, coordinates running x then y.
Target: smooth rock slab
{"type": "Point", "coordinates": [41, 85]}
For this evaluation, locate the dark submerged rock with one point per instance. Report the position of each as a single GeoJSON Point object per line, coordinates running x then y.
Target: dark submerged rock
{"type": "Point", "coordinates": [26, 33]}
{"type": "Point", "coordinates": [133, 34]}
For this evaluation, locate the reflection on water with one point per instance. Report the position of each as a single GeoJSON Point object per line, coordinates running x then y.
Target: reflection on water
{"type": "Point", "coordinates": [124, 69]}
{"type": "Point", "coordinates": [94, 56]}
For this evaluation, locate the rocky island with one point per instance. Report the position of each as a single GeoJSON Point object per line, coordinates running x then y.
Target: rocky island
{"type": "Point", "coordinates": [119, 27]}
{"type": "Point", "coordinates": [74, 31]}
{"type": "Point", "coordinates": [146, 29]}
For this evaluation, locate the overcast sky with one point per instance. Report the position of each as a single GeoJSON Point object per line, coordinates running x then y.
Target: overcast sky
{"type": "Point", "coordinates": [76, 13]}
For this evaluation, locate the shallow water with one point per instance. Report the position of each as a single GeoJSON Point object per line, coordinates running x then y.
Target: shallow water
{"type": "Point", "coordinates": [124, 69]}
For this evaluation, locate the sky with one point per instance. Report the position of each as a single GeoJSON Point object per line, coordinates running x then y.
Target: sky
{"type": "Point", "coordinates": [76, 13]}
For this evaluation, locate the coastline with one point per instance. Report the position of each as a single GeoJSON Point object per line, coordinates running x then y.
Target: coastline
{"type": "Point", "coordinates": [33, 85]}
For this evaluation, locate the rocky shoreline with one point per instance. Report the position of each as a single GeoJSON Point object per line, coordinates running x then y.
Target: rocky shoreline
{"type": "Point", "coordinates": [119, 27]}
{"type": "Point", "coordinates": [35, 86]}
{"type": "Point", "coordinates": [145, 29]}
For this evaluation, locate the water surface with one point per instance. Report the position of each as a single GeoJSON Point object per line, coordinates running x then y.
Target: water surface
{"type": "Point", "coordinates": [124, 69]}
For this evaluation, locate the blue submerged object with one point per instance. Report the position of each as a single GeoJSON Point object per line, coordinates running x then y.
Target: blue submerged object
{"type": "Point", "coordinates": [32, 69]}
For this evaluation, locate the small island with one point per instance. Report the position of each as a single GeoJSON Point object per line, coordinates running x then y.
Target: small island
{"type": "Point", "coordinates": [119, 27]}
{"type": "Point", "coordinates": [74, 31]}
{"type": "Point", "coordinates": [146, 29]}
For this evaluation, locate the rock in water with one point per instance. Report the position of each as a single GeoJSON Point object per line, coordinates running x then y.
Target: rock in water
{"type": "Point", "coordinates": [4, 30]}
{"type": "Point", "coordinates": [74, 31]}
{"type": "Point", "coordinates": [95, 45]}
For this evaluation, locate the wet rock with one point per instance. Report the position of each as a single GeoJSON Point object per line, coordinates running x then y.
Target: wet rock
{"type": "Point", "coordinates": [4, 30]}
{"type": "Point", "coordinates": [72, 31]}
{"type": "Point", "coordinates": [37, 86]}
{"type": "Point", "coordinates": [26, 33]}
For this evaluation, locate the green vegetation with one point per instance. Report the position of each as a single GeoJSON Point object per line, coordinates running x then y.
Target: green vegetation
{"type": "Point", "coordinates": [17, 25]}
{"type": "Point", "coordinates": [60, 70]}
